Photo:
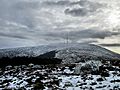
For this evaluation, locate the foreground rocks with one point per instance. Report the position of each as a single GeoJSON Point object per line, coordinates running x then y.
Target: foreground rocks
{"type": "Point", "coordinates": [29, 77]}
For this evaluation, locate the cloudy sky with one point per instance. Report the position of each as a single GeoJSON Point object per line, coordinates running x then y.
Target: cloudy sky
{"type": "Point", "coordinates": [39, 22]}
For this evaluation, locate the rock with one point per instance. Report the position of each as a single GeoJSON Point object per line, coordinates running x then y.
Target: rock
{"type": "Point", "coordinates": [91, 88]}
{"type": "Point", "coordinates": [100, 79]}
{"type": "Point", "coordinates": [87, 67]}
{"type": "Point", "coordinates": [113, 81]}
{"type": "Point", "coordinates": [83, 84]}
{"type": "Point", "coordinates": [105, 74]}
{"type": "Point", "coordinates": [93, 83]}
{"type": "Point", "coordinates": [67, 84]}
{"type": "Point", "coordinates": [38, 86]}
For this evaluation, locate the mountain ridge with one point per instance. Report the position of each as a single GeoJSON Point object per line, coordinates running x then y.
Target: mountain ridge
{"type": "Point", "coordinates": [69, 53]}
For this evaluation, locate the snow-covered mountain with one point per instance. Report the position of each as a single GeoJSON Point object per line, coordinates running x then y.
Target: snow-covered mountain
{"type": "Point", "coordinates": [69, 53]}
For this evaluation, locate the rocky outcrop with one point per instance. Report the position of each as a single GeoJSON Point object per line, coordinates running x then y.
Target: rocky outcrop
{"type": "Point", "coordinates": [87, 67]}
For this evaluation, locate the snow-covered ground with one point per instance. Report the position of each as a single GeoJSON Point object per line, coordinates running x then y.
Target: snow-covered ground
{"type": "Point", "coordinates": [58, 77]}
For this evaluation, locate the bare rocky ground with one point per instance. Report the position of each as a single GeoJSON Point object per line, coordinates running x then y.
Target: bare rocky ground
{"type": "Point", "coordinates": [60, 77]}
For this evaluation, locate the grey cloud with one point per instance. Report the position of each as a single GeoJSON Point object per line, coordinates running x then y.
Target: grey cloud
{"type": "Point", "coordinates": [56, 3]}
{"type": "Point", "coordinates": [88, 41]}
{"type": "Point", "coordinates": [88, 4]}
{"type": "Point", "coordinates": [84, 34]}
{"type": "Point", "coordinates": [76, 12]}
{"type": "Point", "coordinates": [18, 11]}
{"type": "Point", "coordinates": [94, 34]}
{"type": "Point", "coordinates": [111, 45]}
{"type": "Point", "coordinates": [86, 8]}
{"type": "Point", "coordinates": [23, 4]}
{"type": "Point", "coordinates": [6, 42]}
{"type": "Point", "coordinates": [13, 36]}
{"type": "Point", "coordinates": [103, 34]}
{"type": "Point", "coordinates": [46, 21]}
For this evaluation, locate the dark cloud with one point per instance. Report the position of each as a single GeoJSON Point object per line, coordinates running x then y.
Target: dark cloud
{"type": "Point", "coordinates": [86, 8]}
{"type": "Point", "coordinates": [89, 41]}
{"type": "Point", "coordinates": [103, 34]}
{"type": "Point", "coordinates": [97, 34]}
{"type": "Point", "coordinates": [111, 45]}
{"type": "Point", "coordinates": [83, 34]}
{"type": "Point", "coordinates": [76, 12]}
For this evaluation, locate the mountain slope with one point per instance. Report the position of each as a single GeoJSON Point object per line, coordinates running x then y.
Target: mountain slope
{"type": "Point", "coordinates": [69, 53]}
{"type": "Point", "coordinates": [85, 53]}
